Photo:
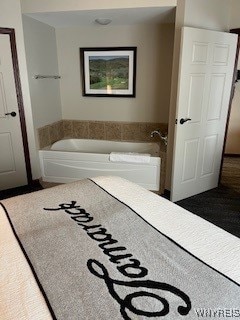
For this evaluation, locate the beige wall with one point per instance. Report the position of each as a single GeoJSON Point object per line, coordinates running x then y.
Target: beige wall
{"type": "Point", "coordinates": [206, 14]}
{"type": "Point", "coordinates": [10, 17]}
{"type": "Point", "coordinates": [41, 54]}
{"type": "Point", "coordinates": [235, 14]}
{"type": "Point", "coordinates": [154, 57]}
{"type": "Point", "coordinates": [71, 5]}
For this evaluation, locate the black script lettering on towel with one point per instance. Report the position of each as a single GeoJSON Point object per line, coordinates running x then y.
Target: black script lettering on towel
{"type": "Point", "coordinates": [131, 269]}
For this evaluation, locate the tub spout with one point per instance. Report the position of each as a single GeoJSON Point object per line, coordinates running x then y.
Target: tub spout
{"type": "Point", "coordinates": [163, 137]}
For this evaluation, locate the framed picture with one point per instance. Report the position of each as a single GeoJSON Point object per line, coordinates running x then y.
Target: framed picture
{"type": "Point", "coordinates": [108, 72]}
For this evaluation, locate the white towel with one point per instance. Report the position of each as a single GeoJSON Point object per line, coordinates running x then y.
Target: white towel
{"type": "Point", "coordinates": [129, 157]}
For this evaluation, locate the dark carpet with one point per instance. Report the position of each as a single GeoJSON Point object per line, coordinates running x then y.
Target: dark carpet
{"type": "Point", "coordinates": [220, 206]}
{"type": "Point", "coordinates": [19, 190]}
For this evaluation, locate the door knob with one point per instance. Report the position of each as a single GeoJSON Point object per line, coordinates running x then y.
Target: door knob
{"type": "Point", "coordinates": [13, 114]}
{"type": "Point", "coordinates": [182, 121]}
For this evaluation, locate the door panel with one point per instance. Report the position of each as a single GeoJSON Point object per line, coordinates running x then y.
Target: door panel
{"type": "Point", "coordinates": [221, 55]}
{"type": "Point", "coordinates": [196, 89]}
{"type": "Point", "coordinates": [12, 160]}
{"type": "Point", "coordinates": [6, 156]}
{"type": "Point", "coordinates": [205, 79]}
{"type": "Point", "coordinates": [190, 157]}
{"type": "Point", "coordinates": [209, 151]}
{"type": "Point", "coordinates": [200, 53]}
{"type": "Point", "coordinates": [217, 85]}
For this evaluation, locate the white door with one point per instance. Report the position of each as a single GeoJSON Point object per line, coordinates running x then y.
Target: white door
{"type": "Point", "coordinates": [205, 79]}
{"type": "Point", "coordinates": [12, 161]}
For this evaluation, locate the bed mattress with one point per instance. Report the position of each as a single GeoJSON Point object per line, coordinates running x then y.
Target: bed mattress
{"type": "Point", "coordinates": [102, 247]}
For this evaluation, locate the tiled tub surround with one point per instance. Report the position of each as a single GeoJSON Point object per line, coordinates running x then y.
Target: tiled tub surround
{"type": "Point", "coordinates": [100, 130]}
{"type": "Point", "coordinates": [105, 130]}
{"type": "Point", "coordinates": [49, 134]}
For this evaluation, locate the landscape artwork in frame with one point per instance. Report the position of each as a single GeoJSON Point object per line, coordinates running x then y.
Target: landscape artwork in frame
{"type": "Point", "coordinates": [108, 72]}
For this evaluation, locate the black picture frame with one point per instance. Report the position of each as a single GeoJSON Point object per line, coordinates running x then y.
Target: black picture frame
{"type": "Point", "coordinates": [108, 71]}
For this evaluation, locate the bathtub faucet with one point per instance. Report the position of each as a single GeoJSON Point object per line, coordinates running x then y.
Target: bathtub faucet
{"type": "Point", "coordinates": [162, 137]}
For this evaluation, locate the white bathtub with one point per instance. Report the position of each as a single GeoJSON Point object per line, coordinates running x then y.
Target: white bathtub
{"type": "Point", "coordinates": [73, 159]}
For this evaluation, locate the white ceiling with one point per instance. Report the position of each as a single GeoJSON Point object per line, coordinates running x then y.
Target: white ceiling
{"type": "Point", "coordinates": [118, 16]}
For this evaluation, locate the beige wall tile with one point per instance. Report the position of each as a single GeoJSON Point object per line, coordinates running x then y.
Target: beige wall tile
{"type": "Point", "coordinates": [113, 131]}
{"type": "Point", "coordinates": [68, 128]}
{"type": "Point", "coordinates": [44, 137]}
{"type": "Point", "coordinates": [146, 129]}
{"type": "Point", "coordinates": [131, 131]}
{"type": "Point", "coordinates": [60, 125]}
{"type": "Point", "coordinates": [80, 129]}
{"type": "Point", "coordinates": [163, 127]}
{"type": "Point", "coordinates": [96, 130]}
{"type": "Point", "coordinates": [56, 131]}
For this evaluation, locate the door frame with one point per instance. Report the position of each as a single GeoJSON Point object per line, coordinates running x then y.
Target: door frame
{"type": "Point", "coordinates": [12, 38]}
{"type": "Point", "coordinates": [236, 31]}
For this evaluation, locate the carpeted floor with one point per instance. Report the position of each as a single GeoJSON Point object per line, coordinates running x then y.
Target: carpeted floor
{"type": "Point", "coordinates": [20, 190]}
{"type": "Point", "coordinates": [220, 206]}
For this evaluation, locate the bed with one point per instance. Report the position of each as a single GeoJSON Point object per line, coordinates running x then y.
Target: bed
{"type": "Point", "coordinates": [105, 248]}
